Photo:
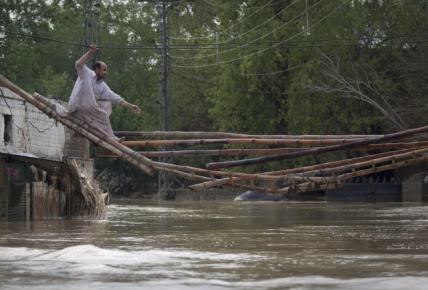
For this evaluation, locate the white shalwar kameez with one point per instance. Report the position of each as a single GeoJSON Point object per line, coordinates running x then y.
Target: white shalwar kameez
{"type": "Point", "coordinates": [91, 100]}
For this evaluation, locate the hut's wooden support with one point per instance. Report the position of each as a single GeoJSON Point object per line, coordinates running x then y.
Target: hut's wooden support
{"type": "Point", "coordinates": [223, 135]}
{"type": "Point", "coordinates": [318, 150]}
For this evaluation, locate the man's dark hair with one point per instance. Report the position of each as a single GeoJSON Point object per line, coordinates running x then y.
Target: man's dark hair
{"type": "Point", "coordinates": [96, 65]}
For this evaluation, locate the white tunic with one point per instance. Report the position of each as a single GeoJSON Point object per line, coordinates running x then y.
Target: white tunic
{"type": "Point", "coordinates": [83, 100]}
{"type": "Point", "coordinates": [88, 90]}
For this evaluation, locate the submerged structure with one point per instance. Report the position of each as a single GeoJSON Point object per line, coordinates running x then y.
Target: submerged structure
{"type": "Point", "coordinates": [45, 168]}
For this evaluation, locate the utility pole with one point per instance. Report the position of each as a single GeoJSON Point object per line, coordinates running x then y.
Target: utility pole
{"type": "Point", "coordinates": [165, 190]}
{"type": "Point", "coordinates": [92, 12]}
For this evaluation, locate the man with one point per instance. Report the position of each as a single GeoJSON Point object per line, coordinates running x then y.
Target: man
{"type": "Point", "coordinates": [91, 98]}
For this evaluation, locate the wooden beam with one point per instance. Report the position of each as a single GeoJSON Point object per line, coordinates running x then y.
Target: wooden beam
{"type": "Point", "coordinates": [318, 150]}
{"type": "Point", "coordinates": [341, 178]}
{"type": "Point", "coordinates": [289, 174]}
{"type": "Point", "coordinates": [192, 142]}
{"type": "Point", "coordinates": [215, 152]}
{"type": "Point", "coordinates": [223, 135]}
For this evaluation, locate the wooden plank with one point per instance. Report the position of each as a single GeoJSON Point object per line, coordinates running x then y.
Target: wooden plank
{"type": "Point", "coordinates": [38, 199]}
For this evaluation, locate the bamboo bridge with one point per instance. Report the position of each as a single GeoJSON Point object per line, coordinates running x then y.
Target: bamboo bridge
{"type": "Point", "coordinates": [376, 153]}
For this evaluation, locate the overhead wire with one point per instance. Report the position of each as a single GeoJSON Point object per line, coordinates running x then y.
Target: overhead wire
{"type": "Point", "coordinates": [255, 27]}
{"type": "Point", "coordinates": [42, 38]}
{"type": "Point", "coordinates": [216, 6]}
{"type": "Point", "coordinates": [279, 71]}
{"type": "Point", "coordinates": [337, 42]}
{"type": "Point", "coordinates": [70, 43]}
{"type": "Point", "coordinates": [254, 40]}
{"type": "Point", "coordinates": [245, 33]}
{"type": "Point", "coordinates": [226, 29]}
{"type": "Point", "coordinates": [262, 50]}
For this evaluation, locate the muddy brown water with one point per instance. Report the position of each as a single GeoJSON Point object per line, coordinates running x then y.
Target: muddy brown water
{"type": "Point", "coordinates": [222, 245]}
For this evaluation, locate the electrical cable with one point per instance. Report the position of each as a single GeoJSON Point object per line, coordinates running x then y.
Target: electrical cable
{"type": "Point", "coordinates": [279, 71]}
{"type": "Point", "coordinates": [226, 29]}
{"type": "Point", "coordinates": [294, 44]}
{"type": "Point", "coordinates": [262, 50]}
{"type": "Point", "coordinates": [245, 33]}
{"type": "Point", "coordinates": [218, 7]}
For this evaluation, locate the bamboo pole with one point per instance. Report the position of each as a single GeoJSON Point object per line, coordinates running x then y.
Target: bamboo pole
{"type": "Point", "coordinates": [318, 150]}
{"type": "Point", "coordinates": [326, 183]}
{"type": "Point", "coordinates": [90, 133]}
{"type": "Point", "coordinates": [394, 159]}
{"type": "Point", "coordinates": [82, 127]}
{"type": "Point", "coordinates": [226, 180]}
{"type": "Point", "coordinates": [94, 135]}
{"type": "Point", "coordinates": [339, 179]}
{"type": "Point", "coordinates": [383, 146]}
{"type": "Point", "coordinates": [391, 166]}
{"type": "Point", "coordinates": [127, 153]}
{"type": "Point", "coordinates": [371, 162]}
{"type": "Point", "coordinates": [131, 156]}
{"type": "Point", "coordinates": [223, 135]}
{"type": "Point", "coordinates": [214, 152]}
{"type": "Point", "coordinates": [191, 142]}
{"type": "Point", "coordinates": [213, 183]}
{"type": "Point", "coordinates": [261, 151]}
{"type": "Point", "coordinates": [333, 164]}
{"type": "Point", "coordinates": [253, 177]}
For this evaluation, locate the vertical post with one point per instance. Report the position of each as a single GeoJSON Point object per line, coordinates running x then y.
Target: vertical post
{"type": "Point", "coordinates": [165, 189]}
{"type": "Point", "coordinates": [307, 19]}
{"type": "Point", "coordinates": [217, 50]}
{"type": "Point", "coordinates": [165, 69]}
{"type": "Point", "coordinates": [92, 11]}
{"type": "Point", "coordinates": [28, 201]}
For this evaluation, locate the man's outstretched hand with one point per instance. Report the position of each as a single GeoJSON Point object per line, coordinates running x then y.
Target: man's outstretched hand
{"type": "Point", "coordinates": [135, 109]}
{"type": "Point", "coordinates": [131, 107]}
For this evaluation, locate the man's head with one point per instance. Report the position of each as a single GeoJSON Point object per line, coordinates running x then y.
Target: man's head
{"type": "Point", "coordinates": [100, 69]}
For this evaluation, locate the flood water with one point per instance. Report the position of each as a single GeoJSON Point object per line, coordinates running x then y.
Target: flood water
{"type": "Point", "coordinates": [222, 245]}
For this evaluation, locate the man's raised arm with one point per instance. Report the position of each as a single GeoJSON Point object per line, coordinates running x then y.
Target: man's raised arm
{"type": "Point", "coordinates": [92, 50]}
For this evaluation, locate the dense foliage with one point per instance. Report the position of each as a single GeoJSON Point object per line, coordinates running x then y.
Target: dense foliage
{"type": "Point", "coordinates": [253, 66]}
